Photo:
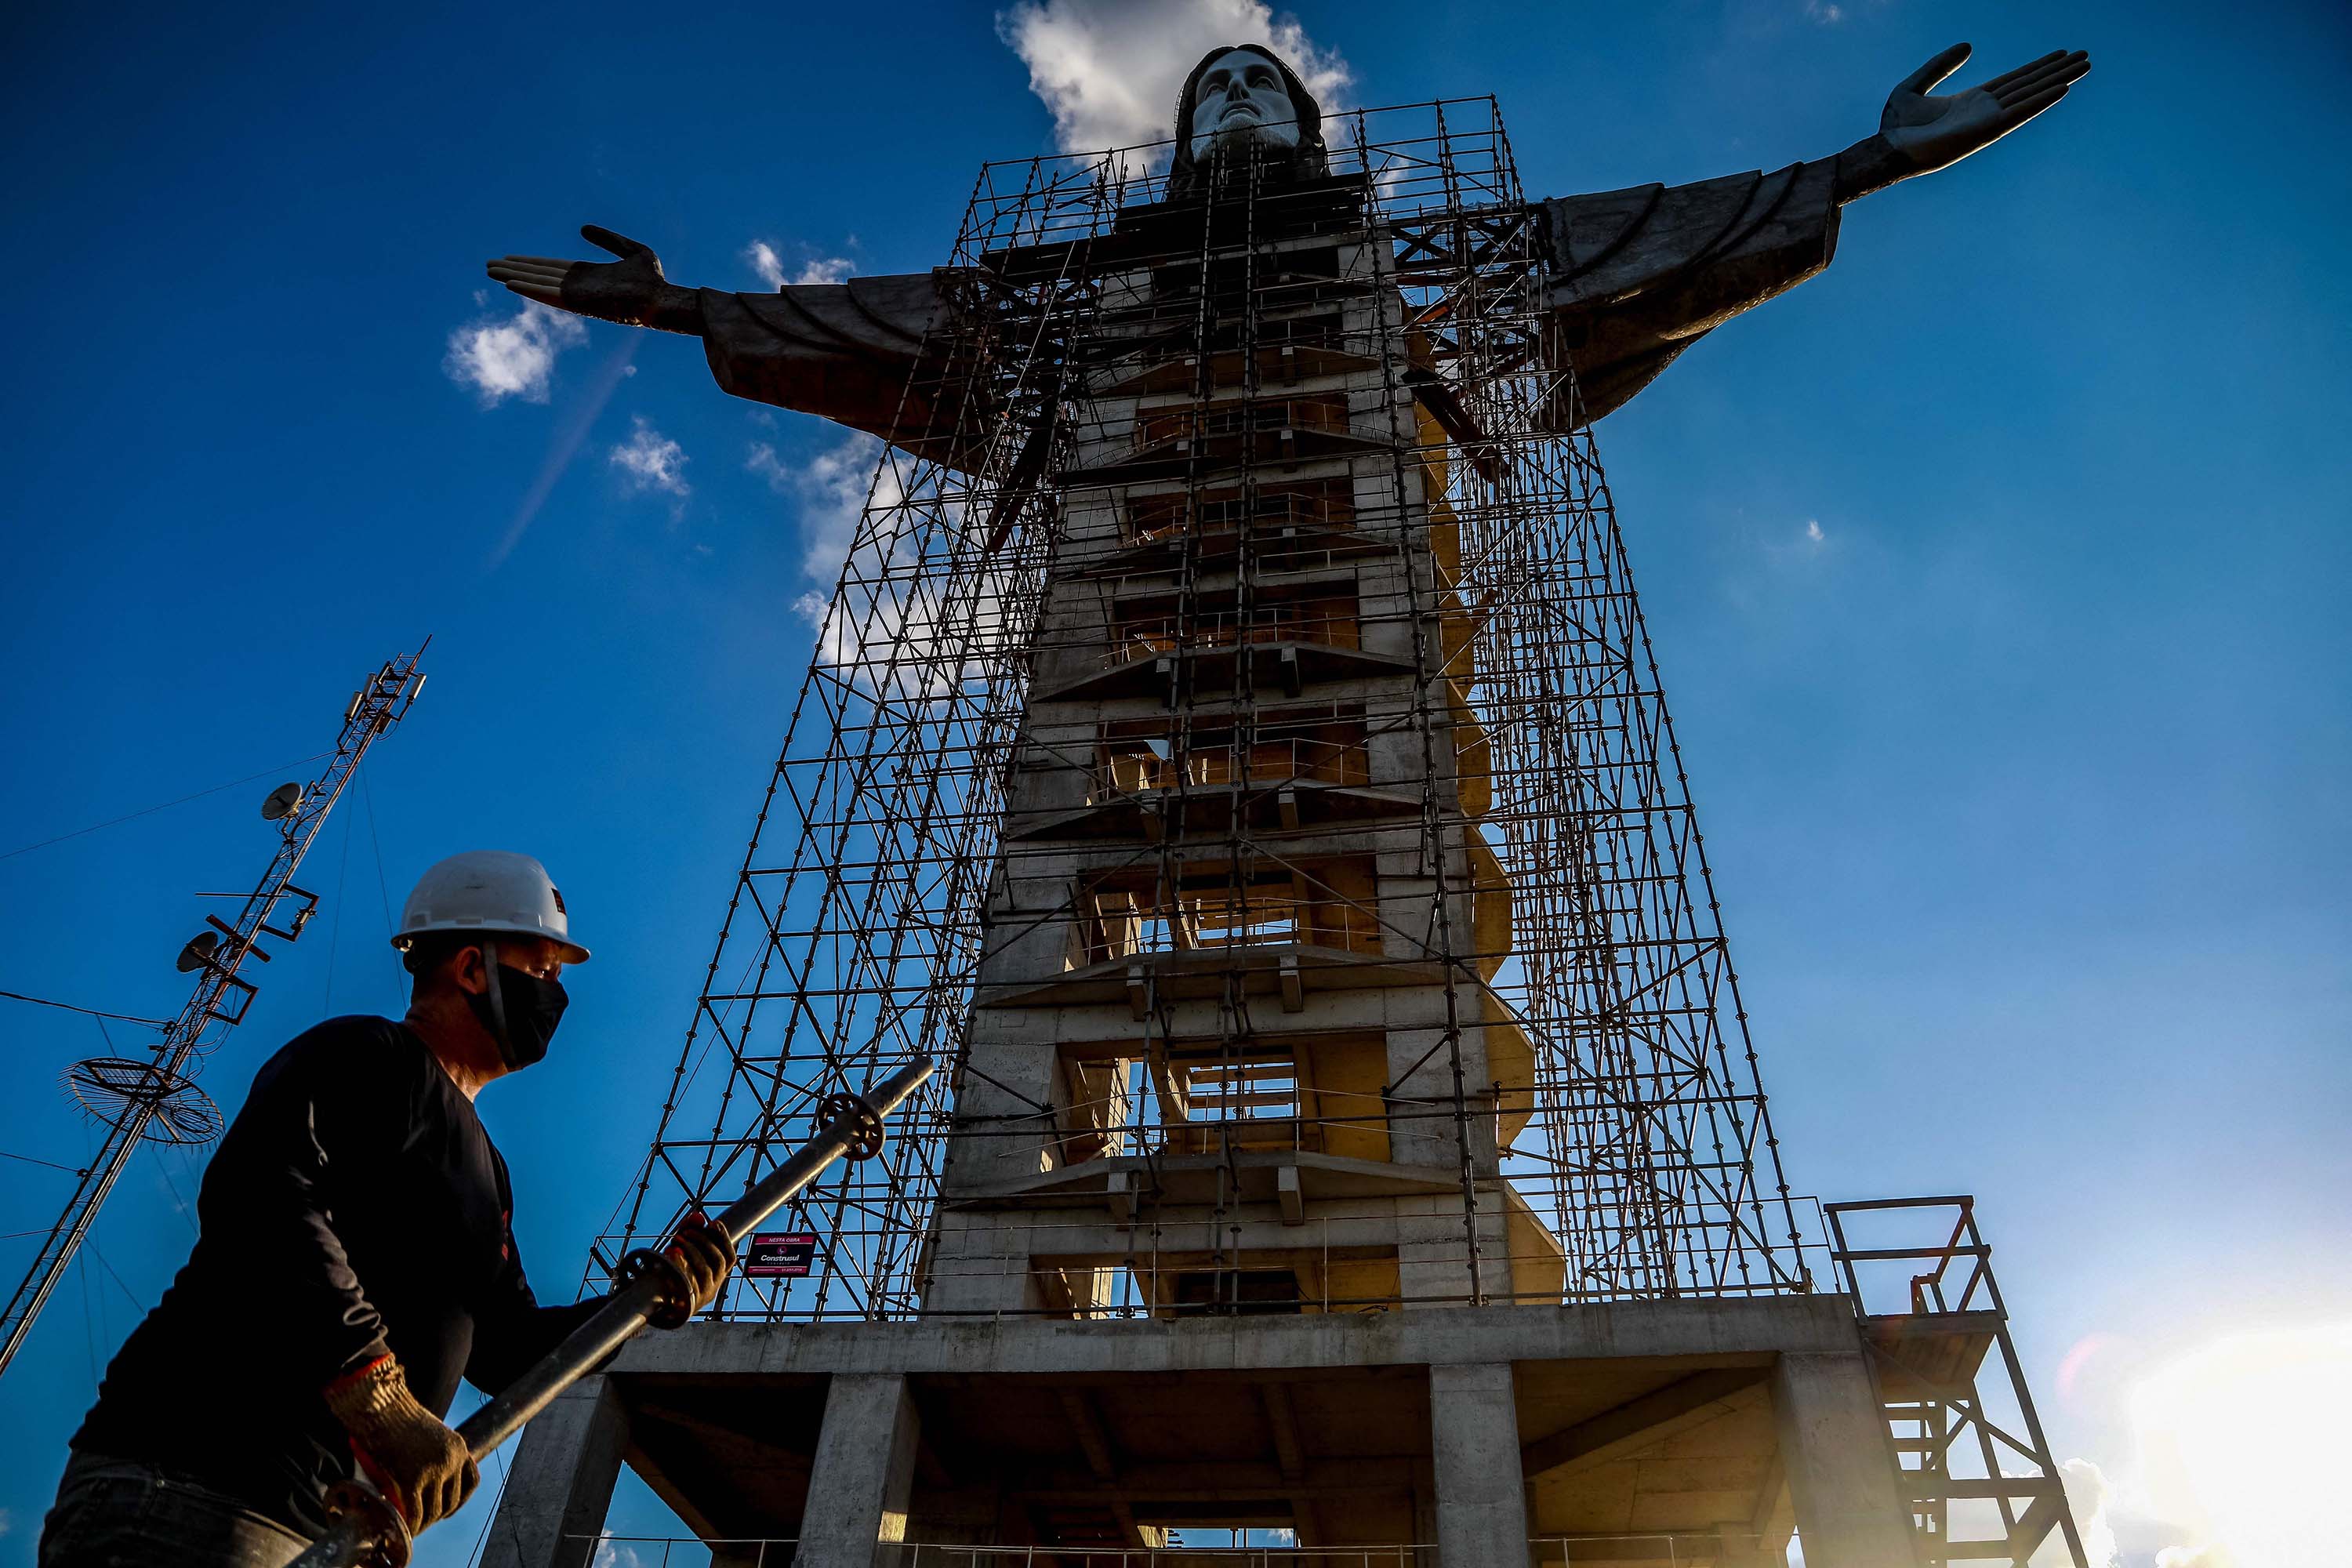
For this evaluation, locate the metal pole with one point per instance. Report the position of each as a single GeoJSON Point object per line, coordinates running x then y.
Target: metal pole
{"type": "Point", "coordinates": [370, 1533]}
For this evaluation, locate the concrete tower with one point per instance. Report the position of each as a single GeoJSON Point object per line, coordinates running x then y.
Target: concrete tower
{"type": "Point", "coordinates": [1232, 1049]}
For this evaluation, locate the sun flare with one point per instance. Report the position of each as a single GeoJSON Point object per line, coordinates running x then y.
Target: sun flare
{"type": "Point", "coordinates": [2242, 1441]}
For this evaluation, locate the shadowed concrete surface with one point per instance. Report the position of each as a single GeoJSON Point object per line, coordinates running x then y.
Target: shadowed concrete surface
{"type": "Point", "coordinates": [1691, 1431]}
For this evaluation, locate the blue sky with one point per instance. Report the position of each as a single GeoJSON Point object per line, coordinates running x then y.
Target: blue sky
{"type": "Point", "coordinates": [1996, 577]}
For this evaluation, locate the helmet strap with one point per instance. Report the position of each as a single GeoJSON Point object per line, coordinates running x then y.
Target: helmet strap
{"type": "Point", "coordinates": [493, 1013]}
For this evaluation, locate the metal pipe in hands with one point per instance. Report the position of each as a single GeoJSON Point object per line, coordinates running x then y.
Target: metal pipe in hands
{"type": "Point", "coordinates": [368, 1533]}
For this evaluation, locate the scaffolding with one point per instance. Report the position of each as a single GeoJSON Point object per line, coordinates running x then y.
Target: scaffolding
{"type": "Point", "coordinates": [1976, 1469]}
{"type": "Point", "coordinates": [1568, 913]}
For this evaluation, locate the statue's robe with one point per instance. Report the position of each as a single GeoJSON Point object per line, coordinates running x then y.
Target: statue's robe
{"type": "Point", "coordinates": [1636, 278]}
{"type": "Point", "coordinates": [852, 352]}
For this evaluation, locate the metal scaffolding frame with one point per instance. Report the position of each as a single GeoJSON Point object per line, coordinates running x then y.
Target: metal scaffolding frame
{"type": "Point", "coordinates": [1976, 1469]}
{"type": "Point", "coordinates": [853, 937]}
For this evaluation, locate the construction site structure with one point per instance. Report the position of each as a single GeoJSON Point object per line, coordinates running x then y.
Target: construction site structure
{"type": "Point", "coordinates": [1237, 753]}
{"type": "Point", "coordinates": [156, 1099]}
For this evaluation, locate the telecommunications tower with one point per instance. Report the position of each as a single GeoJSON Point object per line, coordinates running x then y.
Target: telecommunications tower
{"type": "Point", "coordinates": [155, 1099]}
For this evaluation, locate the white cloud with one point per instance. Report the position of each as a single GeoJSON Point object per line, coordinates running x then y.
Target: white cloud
{"type": "Point", "coordinates": [611, 1553]}
{"type": "Point", "coordinates": [513, 357]}
{"type": "Point", "coordinates": [834, 491]}
{"type": "Point", "coordinates": [887, 625]}
{"type": "Point", "coordinates": [770, 266]}
{"type": "Point", "coordinates": [1109, 69]}
{"type": "Point", "coordinates": [650, 460]}
{"type": "Point", "coordinates": [1813, 530]}
{"type": "Point", "coordinates": [2206, 1556]}
{"type": "Point", "coordinates": [831, 489]}
{"type": "Point", "coordinates": [2087, 1494]}
{"type": "Point", "coordinates": [763, 460]}
{"type": "Point", "coordinates": [1827, 15]}
{"type": "Point", "coordinates": [765, 262]}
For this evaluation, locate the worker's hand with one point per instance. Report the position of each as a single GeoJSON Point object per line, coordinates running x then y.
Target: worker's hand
{"type": "Point", "coordinates": [422, 1466]}
{"type": "Point", "coordinates": [701, 1253]}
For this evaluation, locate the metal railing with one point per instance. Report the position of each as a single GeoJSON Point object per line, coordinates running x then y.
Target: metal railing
{"type": "Point", "coordinates": [1143, 771]}
{"type": "Point", "coordinates": [1707, 1547]}
{"type": "Point", "coordinates": [1272, 623]}
{"type": "Point", "coordinates": [777, 1552]}
{"type": "Point", "coordinates": [1327, 412]}
{"type": "Point", "coordinates": [1959, 1281]}
{"type": "Point", "coordinates": [1265, 919]}
{"type": "Point", "coordinates": [1153, 518]}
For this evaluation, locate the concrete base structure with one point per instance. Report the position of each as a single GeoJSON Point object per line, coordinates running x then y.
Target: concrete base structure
{"type": "Point", "coordinates": [1694, 1432]}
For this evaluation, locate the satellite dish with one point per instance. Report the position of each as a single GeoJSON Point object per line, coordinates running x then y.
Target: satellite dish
{"type": "Point", "coordinates": [284, 801]}
{"type": "Point", "coordinates": [198, 953]}
{"type": "Point", "coordinates": [164, 1106]}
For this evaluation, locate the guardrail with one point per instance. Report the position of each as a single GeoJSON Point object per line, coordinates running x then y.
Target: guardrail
{"type": "Point", "coordinates": [691, 1551]}
{"type": "Point", "coordinates": [1932, 1293]}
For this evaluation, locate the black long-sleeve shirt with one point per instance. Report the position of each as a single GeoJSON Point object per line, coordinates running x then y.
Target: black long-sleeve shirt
{"type": "Point", "coordinates": [355, 1206]}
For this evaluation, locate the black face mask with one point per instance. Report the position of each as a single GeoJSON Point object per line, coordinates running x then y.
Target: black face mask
{"type": "Point", "coordinates": [519, 1009]}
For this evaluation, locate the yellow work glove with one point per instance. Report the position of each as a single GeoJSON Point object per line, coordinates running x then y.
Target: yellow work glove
{"type": "Point", "coordinates": [422, 1466]}
{"type": "Point", "coordinates": [705, 1258]}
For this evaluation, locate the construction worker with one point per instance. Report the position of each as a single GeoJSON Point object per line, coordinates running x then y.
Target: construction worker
{"type": "Point", "coordinates": [354, 1260]}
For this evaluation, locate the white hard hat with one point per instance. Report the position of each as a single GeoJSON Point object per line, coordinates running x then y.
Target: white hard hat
{"type": "Point", "coordinates": [488, 890]}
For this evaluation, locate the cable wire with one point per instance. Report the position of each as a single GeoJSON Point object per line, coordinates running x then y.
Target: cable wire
{"type": "Point", "coordinates": [382, 886]}
{"type": "Point", "coordinates": [52, 1164]}
{"type": "Point", "coordinates": [482, 1537]}
{"type": "Point", "coordinates": [110, 1274]}
{"type": "Point", "coordinates": [132, 816]}
{"type": "Point", "coordinates": [87, 1012]}
{"type": "Point", "coordinates": [335, 925]}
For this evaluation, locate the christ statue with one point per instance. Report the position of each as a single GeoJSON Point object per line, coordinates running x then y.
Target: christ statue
{"type": "Point", "coordinates": [1637, 276]}
{"type": "Point", "coordinates": [1246, 768]}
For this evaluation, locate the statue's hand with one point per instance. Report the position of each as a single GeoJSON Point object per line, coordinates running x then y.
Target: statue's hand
{"type": "Point", "coordinates": [1933, 129]}
{"type": "Point", "coordinates": [631, 291]}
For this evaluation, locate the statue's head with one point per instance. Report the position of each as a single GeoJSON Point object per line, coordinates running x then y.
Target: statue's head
{"type": "Point", "coordinates": [1242, 100]}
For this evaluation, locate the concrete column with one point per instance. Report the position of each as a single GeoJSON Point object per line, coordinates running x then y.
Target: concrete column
{"type": "Point", "coordinates": [561, 1481]}
{"type": "Point", "coordinates": [864, 1477]}
{"type": "Point", "coordinates": [1482, 1501]}
{"type": "Point", "coordinates": [1839, 1464]}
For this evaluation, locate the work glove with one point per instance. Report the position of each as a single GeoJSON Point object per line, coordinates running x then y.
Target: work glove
{"type": "Point", "coordinates": [422, 1466]}
{"type": "Point", "coordinates": [702, 1255]}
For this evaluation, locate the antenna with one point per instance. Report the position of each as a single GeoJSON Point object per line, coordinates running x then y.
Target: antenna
{"type": "Point", "coordinates": [156, 1100]}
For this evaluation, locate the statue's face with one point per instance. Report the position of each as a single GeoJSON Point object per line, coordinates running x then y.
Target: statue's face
{"type": "Point", "coordinates": [1241, 98]}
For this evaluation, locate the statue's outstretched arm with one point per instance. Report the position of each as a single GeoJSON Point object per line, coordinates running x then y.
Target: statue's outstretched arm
{"type": "Point", "coordinates": [853, 353]}
{"type": "Point", "coordinates": [1637, 276]}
